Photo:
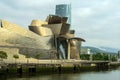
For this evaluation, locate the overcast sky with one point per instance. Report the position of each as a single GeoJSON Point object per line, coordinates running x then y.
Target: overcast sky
{"type": "Point", "coordinates": [97, 21]}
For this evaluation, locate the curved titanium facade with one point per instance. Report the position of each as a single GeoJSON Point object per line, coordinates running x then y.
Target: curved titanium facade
{"type": "Point", "coordinates": [64, 10]}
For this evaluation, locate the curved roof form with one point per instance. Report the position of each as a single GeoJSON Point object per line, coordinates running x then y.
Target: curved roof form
{"type": "Point", "coordinates": [77, 38]}
{"type": "Point", "coordinates": [63, 37]}
{"type": "Point", "coordinates": [38, 23]}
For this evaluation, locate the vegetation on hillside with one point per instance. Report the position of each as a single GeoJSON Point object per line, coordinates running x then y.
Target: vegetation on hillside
{"type": "Point", "coordinates": [99, 56]}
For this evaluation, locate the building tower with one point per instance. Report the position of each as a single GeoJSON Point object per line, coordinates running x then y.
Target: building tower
{"type": "Point", "coordinates": [64, 10]}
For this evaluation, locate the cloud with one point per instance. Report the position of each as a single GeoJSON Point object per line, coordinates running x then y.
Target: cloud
{"type": "Point", "coordinates": [96, 21]}
{"type": "Point", "coordinates": [102, 42]}
{"type": "Point", "coordinates": [27, 3]}
{"type": "Point", "coordinates": [99, 22]}
{"type": "Point", "coordinates": [23, 11]}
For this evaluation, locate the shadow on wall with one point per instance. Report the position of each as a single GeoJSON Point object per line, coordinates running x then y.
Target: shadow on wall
{"type": "Point", "coordinates": [44, 54]}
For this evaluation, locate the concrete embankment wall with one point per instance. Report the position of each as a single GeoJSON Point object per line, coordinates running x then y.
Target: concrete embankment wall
{"type": "Point", "coordinates": [12, 51]}
{"type": "Point", "coordinates": [23, 51]}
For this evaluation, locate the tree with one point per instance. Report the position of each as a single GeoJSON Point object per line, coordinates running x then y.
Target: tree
{"type": "Point", "coordinates": [3, 55]}
{"type": "Point", "coordinates": [27, 56]}
{"type": "Point", "coordinates": [113, 58]}
{"type": "Point", "coordinates": [16, 57]}
{"type": "Point", "coordinates": [105, 57]}
{"type": "Point", "coordinates": [98, 56]}
{"type": "Point", "coordinates": [84, 56]}
{"type": "Point", "coordinates": [101, 56]}
{"type": "Point", "coordinates": [37, 56]}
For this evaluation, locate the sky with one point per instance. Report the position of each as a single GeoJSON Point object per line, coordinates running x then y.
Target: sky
{"type": "Point", "coordinates": [96, 21]}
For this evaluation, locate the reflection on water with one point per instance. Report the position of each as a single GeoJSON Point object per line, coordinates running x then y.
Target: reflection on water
{"type": "Point", "coordinates": [101, 75]}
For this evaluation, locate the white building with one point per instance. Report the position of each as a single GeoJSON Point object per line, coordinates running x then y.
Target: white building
{"type": "Point", "coordinates": [85, 51]}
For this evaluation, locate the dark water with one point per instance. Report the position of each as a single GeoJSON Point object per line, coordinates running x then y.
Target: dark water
{"type": "Point", "coordinates": [100, 75]}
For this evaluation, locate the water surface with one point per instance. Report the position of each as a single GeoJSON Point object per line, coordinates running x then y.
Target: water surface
{"type": "Point", "coordinates": [98, 75]}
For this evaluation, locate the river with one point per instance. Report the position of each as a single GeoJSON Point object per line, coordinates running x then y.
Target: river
{"type": "Point", "coordinates": [94, 75]}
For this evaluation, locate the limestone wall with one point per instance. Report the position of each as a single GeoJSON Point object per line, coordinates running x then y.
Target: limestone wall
{"type": "Point", "coordinates": [44, 54]}
{"type": "Point", "coordinates": [10, 52]}
{"type": "Point", "coordinates": [22, 51]}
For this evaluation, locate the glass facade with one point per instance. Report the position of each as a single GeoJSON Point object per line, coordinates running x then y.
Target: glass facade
{"type": "Point", "coordinates": [64, 10]}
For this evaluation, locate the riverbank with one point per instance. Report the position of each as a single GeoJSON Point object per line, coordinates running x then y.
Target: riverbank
{"type": "Point", "coordinates": [111, 74]}
{"type": "Point", "coordinates": [114, 64]}
{"type": "Point", "coordinates": [51, 68]}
